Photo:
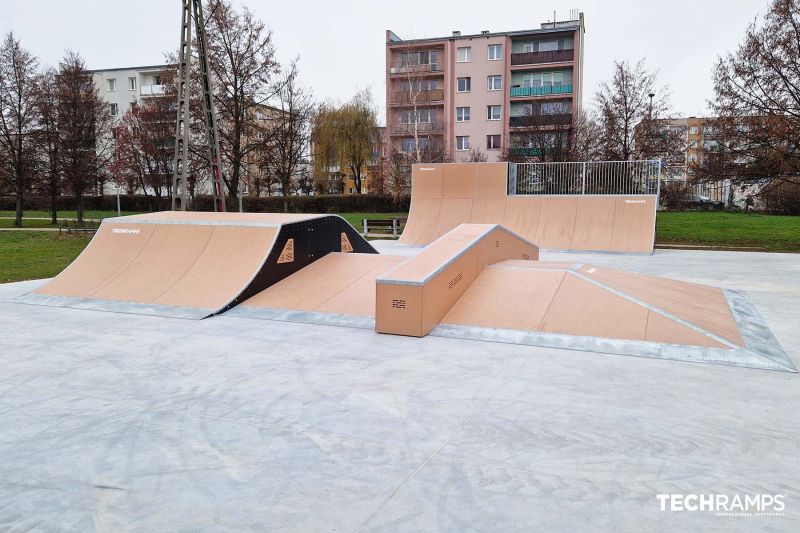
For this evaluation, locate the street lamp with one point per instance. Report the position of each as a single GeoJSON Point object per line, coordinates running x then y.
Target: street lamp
{"type": "Point", "coordinates": [119, 209]}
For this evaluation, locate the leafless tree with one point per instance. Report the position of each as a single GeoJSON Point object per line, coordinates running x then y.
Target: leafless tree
{"type": "Point", "coordinates": [756, 139]}
{"type": "Point", "coordinates": [286, 149]}
{"type": "Point", "coordinates": [242, 61]}
{"type": "Point", "coordinates": [145, 147]}
{"type": "Point", "coordinates": [86, 144]}
{"type": "Point", "coordinates": [49, 179]}
{"type": "Point", "coordinates": [628, 116]}
{"type": "Point", "coordinates": [18, 117]}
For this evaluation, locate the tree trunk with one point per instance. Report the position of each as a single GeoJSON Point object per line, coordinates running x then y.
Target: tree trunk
{"type": "Point", "coordinates": [79, 207]}
{"type": "Point", "coordinates": [53, 209]}
{"type": "Point", "coordinates": [18, 217]}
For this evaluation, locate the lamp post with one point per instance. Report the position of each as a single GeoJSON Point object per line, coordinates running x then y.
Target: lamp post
{"type": "Point", "coordinates": [119, 208]}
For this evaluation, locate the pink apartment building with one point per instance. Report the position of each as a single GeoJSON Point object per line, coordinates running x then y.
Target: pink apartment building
{"type": "Point", "coordinates": [483, 91]}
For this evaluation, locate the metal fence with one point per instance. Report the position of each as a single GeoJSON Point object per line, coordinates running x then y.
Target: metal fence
{"type": "Point", "coordinates": [588, 177]}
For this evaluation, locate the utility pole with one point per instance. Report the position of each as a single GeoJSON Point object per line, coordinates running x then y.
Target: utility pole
{"type": "Point", "coordinates": [193, 9]}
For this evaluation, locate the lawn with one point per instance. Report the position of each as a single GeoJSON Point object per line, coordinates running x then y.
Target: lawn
{"type": "Point", "coordinates": [736, 230]}
{"type": "Point", "coordinates": [36, 254]}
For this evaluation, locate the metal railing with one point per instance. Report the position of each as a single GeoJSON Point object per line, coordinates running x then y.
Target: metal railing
{"type": "Point", "coordinates": [416, 69]}
{"type": "Point", "coordinates": [419, 127]}
{"type": "Point", "coordinates": [533, 58]}
{"type": "Point", "coordinates": [587, 177]}
{"type": "Point", "coordinates": [540, 120]}
{"type": "Point", "coordinates": [153, 90]}
{"type": "Point", "coordinates": [418, 97]}
{"type": "Point", "coordinates": [565, 88]}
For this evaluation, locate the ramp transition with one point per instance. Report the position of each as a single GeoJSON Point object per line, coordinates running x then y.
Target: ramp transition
{"type": "Point", "coordinates": [193, 265]}
{"type": "Point", "coordinates": [446, 195]}
{"type": "Point", "coordinates": [482, 282]}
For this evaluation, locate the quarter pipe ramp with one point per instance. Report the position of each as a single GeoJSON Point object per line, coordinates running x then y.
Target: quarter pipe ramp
{"type": "Point", "coordinates": [445, 195]}
{"type": "Point", "coordinates": [193, 265]}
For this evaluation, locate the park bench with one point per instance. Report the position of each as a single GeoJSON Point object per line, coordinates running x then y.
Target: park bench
{"type": "Point", "coordinates": [73, 226]}
{"type": "Point", "coordinates": [383, 228]}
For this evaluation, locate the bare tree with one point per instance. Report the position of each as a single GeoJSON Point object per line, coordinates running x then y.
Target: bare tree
{"type": "Point", "coordinates": [628, 116]}
{"type": "Point", "coordinates": [49, 179]}
{"type": "Point", "coordinates": [242, 61]}
{"type": "Point", "coordinates": [756, 137]}
{"type": "Point", "coordinates": [18, 117]}
{"type": "Point", "coordinates": [553, 138]}
{"type": "Point", "coordinates": [286, 150]}
{"type": "Point", "coordinates": [145, 148]}
{"type": "Point", "coordinates": [86, 144]}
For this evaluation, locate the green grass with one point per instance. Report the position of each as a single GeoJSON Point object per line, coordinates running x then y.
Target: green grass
{"type": "Point", "coordinates": [64, 214]}
{"type": "Point", "coordinates": [736, 230]}
{"type": "Point", "coordinates": [36, 254]}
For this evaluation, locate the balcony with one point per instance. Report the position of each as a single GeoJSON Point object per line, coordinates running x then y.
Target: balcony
{"type": "Point", "coordinates": [534, 58]}
{"type": "Point", "coordinates": [421, 127]}
{"type": "Point", "coordinates": [416, 69]}
{"type": "Point", "coordinates": [153, 90]}
{"type": "Point", "coordinates": [538, 121]}
{"type": "Point", "coordinates": [526, 152]}
{"type": "Point", "coordinates": [421, 97]}
{"type": "Point", "coordinates": [546, 90]}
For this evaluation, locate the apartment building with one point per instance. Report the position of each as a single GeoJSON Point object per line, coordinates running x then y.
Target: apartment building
{"type": "Point", "coordinates": [484, 92]}
{"type": "Point", "coordinates": [699, 134]}
{"type": "Point", "coordinates": [124, 87]}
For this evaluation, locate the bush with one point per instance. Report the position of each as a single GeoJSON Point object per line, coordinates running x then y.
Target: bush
{"type": "Point", "coordinates": [355, 203]}
{"type": "Point", "coordinates": [782, 199]}
{"type": "Point", "coordinates": [675, 195]}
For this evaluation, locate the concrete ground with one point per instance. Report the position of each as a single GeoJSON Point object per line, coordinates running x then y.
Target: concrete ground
{"type": "Point", "coordinates": [113, 422]}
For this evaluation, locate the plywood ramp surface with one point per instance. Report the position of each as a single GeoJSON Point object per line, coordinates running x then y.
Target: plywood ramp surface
{"type": "Point", "coordinates": [557, 298]}
{"type": "Point", "coordinates": [445, 195]}
{"type": "Point", "coordinates": [338, 283]}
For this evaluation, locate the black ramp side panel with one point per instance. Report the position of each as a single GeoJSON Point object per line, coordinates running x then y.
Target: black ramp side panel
{"type": "Point", "coordinates": [311, 240]}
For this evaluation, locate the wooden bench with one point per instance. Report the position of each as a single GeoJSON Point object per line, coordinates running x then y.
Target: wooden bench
{"type": "Point", "coordinates": [383, 228]}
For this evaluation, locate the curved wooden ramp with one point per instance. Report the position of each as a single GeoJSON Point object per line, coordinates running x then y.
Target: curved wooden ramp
{"type": "Point", "coordinates": [446, 195]}
{"type": "Point", "coordinates": [192, 265]}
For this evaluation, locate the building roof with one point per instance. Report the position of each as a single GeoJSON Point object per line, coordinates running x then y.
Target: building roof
{"type": "Point", "coordinates": [560, 27]}
{"type": "Point", "coordinates": [146, 67]}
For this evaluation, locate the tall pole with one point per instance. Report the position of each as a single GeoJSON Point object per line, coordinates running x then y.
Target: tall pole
{"type": "Point", "coordinates": [181, 162]}
{"type": "Point", "coordinates": [194, 9]}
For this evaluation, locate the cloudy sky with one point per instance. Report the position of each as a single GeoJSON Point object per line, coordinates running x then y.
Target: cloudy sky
{"type": "Point", "coordinates": [340, 43]}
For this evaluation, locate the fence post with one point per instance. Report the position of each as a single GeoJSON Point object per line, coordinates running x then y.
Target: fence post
{"type": "Point", "coordinates": [583, 178]}
{"type": "Point", "coordinates": [364, 222]}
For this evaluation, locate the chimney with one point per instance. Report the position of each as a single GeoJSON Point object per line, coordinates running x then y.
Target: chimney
{"type": "Point", "coordinates": [456, 33]}
{"type": "Point", "coordinates": [484, 32]}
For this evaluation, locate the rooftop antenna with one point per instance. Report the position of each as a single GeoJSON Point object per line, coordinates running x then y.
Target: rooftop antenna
{"type": "Point", "coordinates": [181, 162]}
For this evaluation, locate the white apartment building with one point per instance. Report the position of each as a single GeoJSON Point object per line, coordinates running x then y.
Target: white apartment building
{"type": "Point", "coordinates": [124, 87]}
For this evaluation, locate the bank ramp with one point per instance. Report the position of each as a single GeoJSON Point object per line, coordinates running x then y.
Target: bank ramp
{"type": "Point", "coordinates": [193, 265]}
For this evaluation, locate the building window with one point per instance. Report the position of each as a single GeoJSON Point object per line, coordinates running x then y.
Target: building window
{"type": "Point", "coordinates": [114, 110]}
{"type": "Point", "coordinates": [462, 114]}
{"type": "Point", "coordinates": [464, 54]}
{"type": "Point", "coordinates": [493, 112]}
{"type": "Point", "coordinates": [693, 144]}
{"type": "Point", "coordinates": [112, 85]}
{"type": "Point", "coordinates": [495, 83]}
{"type": "Point", "coordinates": [132, 84]}
{"type": "Point", "coordinates": [544, 46]}
{"type": "Point", "coordinates": [464, 85]}
{"type": "Point", "coordinates": [462, 143]}
{"type": "Point", "coordinates": [694, 130]}
{"type": "Point", "coordinates": [495, 52]}
{"type": "Point", "coordinates": [492, 142]}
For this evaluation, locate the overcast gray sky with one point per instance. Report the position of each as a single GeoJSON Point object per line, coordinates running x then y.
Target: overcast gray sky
{"type": "Point", "coordinates": [340, 43]}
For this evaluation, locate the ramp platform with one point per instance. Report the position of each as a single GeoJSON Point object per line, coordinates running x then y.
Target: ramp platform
{"type": "Point", "coordinates": [193, 265]}
{"type": "Point", "coordinates": [446, 195]}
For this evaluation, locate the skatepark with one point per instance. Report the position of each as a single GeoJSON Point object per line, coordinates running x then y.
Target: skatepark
{"type": "Point", "coordinates": [276, 371]}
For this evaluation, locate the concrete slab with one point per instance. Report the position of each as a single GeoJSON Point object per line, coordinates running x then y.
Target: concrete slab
{"type": "Point", "coordinates": [129, 422]}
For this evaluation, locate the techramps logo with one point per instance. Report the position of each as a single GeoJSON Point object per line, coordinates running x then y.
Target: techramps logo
{"type": "Point", "coordinates": [736, 505]}
{"type": "Point", "coordinates": [125, 231]}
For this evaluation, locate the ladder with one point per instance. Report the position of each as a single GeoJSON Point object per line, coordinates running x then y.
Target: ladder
{"type": "Point", "coordinates": [194, 9]}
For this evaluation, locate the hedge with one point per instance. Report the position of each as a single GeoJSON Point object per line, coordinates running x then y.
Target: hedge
{"type": "Point", "coordinates": [355, 203]}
